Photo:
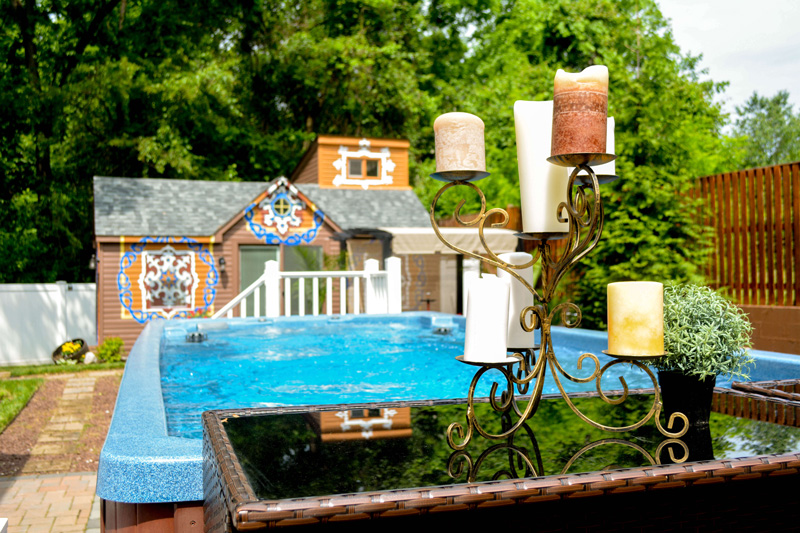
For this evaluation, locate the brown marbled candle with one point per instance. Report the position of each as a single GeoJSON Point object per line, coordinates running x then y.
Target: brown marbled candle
{"type": "Point", "coordinates": [580, 110]}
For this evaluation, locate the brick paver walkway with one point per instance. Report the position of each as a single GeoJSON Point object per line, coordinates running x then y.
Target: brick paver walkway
{"type": "Point", "coordinates": [47, 503]}
{"type": "Point", "coordinates": [41, 501]}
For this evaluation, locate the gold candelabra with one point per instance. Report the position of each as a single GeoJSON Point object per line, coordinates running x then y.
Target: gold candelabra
{"type": "Point", "coordinates": [583, 211]}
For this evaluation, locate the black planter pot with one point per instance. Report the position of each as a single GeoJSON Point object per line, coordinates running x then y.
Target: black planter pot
{"type": "Point", "coordinates": [687, 394]}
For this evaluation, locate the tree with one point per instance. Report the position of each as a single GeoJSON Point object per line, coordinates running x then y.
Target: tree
{"type": "Point", "coordinates": [668, 129]}
{"type": "Point", "coordinates": [770, 130]}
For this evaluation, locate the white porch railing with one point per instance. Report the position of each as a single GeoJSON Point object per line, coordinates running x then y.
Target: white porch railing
{"type": "Point", "coordinates": [381, 289]}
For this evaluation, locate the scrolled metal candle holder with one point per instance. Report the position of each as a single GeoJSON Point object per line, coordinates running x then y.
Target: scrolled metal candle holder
{"type": "Point", "coordinates": [583, 211]}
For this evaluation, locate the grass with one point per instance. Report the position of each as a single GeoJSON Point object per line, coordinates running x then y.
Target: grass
{"type": "Point", "coordinates": [32, 370]}
{"type": "Point", "coordinates": [14, 395]}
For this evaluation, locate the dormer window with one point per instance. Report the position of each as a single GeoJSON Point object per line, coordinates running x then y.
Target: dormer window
{"type": "Point", "coordinates": [363, 167]}
{"type": "Point", "coordinates": [358, 168]}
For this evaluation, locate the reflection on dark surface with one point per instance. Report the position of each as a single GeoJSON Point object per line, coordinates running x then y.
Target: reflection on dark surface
{"type": "Point", "coordinates": [284, 457]}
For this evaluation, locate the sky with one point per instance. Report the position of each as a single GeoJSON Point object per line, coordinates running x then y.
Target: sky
{"type": "Point", "coordinates": [753, 44]}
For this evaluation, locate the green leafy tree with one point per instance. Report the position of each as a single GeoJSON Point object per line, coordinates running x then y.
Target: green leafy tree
{"type": "Point", "coordinates": [668, 130]}
{"type": "Point", "coordinates": [770, 130]}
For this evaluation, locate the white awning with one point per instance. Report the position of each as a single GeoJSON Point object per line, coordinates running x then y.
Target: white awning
{"type": "Point", "coordinates": [425, 241]}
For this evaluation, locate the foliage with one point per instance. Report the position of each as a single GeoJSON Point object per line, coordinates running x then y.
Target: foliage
{"type": "Point", "coordinates": [238, 90]}
{"type": "Point", "coordinates": [650, 222]}
{"type": "Point", "coordinates": [704, 334]}
{"type": "Point", "coordinates": [14, 396]}
{"type": "Point", "coordinates": [770, 130]}
{"type": "Point", "coordinates": [33, 370]}
{"type": "Point", "coordinates": [111, 350]}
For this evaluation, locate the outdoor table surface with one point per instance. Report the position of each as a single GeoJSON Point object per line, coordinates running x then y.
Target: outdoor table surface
{"type": "Point", "coordinates": [288, 466]}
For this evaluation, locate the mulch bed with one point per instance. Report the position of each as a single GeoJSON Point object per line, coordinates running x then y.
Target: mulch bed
{"type": "Point", "coordinates": [21, 435]}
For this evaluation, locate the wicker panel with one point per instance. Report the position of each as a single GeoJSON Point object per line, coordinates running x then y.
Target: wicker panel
{"type": "Point", "coordinates": [477, 503]}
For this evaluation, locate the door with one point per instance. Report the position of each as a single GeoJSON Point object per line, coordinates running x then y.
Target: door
{"type": "Point", "coordinates": [304, 259]}
{"type": "Point", "coordinates": [251, 267]}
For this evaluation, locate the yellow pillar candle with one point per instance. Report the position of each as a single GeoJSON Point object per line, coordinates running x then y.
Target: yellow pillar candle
{"type": "Point", "coordinates": [542, 185]}
{"type": "Point", "coordinates": [580, 107]}
{"type": "Point", "coordinates": [636, 318]}
{"type": "Point", "coordinates": [459, 142]}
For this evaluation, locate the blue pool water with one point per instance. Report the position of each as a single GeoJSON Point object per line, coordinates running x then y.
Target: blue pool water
{"type": "Point", "coordinates": [153, 451]}
{"type": "Point", "coordinates": [312, 361]}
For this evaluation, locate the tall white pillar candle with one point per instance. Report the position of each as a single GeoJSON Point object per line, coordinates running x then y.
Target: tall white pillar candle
{"type": "Point", "coordinates": [542, 185]}
{"type": "Point", "coordinates": [636, 318]}
{"type": "Point", "coordinates": [610, 168]}
{"type": "Point", "coordinates": [459, 142]}
{"type": "Point", "coordinates": [519, 298]}
{"type": "Point", "coordinates": [487, 321]}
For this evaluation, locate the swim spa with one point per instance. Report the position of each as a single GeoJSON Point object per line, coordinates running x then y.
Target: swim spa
{"type": "Point", "coordinates": [153, 452]}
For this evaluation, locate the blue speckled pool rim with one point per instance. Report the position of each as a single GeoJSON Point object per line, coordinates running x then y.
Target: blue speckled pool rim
{"type": "Point", "coordinates": [141, 463]}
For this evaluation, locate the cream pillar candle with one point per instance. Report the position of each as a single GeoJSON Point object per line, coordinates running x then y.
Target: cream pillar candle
{"type": "Point", "coordinates": [459, 142]}
{"type": "Point", "coordinates": [542, 185]}
{"type": "Point", "coordinates": [487, 320]}
{"type": "Point", "coordinates": [636, 318]}
{"type": "Point", "coordinates": [519, 298]}
{"type": "Point", "coordinates": [580, 107]}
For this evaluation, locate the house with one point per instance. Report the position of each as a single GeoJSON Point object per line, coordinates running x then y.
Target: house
{"type": "Point", "coordinates": [181, 248]}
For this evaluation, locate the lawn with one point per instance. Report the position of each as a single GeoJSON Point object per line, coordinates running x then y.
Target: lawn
{"type": "Point", "coordinates": [14, 395]}
{"type": "Point", "coordinates": [32, 370]}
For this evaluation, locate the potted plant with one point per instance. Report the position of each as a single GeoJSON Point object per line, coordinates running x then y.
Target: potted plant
{"type": "Point", "coordinates": [705, 335]}
{"type": "Point", "coordinates": [70, 352]}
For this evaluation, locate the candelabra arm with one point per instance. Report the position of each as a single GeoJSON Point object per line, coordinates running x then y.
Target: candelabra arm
{"type": "Point", "coordinates": [480, 221]}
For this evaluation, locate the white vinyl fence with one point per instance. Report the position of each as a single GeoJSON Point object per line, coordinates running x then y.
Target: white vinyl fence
{"type": "Point", "coordinates": [37, 318]}
{"type": "Point", "coordinates": [380, 288]}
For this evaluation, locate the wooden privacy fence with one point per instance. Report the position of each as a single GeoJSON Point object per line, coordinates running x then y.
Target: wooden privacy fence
{"type": "Point", "coordinates": [755, 216]}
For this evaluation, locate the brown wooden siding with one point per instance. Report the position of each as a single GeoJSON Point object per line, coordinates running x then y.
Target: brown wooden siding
{"type": "Point", "coordinates": [182, 517]}
{"type": "Point", "coordinates": [309, 172]}
{"type": "Point", "coordinates": [420, 274]}
{"type": "Point", "coordinates": [115, 321]}
{"type": "Point", "coordinates": [329, 153]}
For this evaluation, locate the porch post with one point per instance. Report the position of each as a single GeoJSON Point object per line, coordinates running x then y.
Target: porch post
{"type": "Point", "coordinates": [272, 285]}
{"type": "Point", "coordinates": [395, 291]}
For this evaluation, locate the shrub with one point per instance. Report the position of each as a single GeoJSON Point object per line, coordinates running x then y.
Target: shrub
{"type": "Point", "coordinates": [111, 350]}
{"type": "Point", "coordinates": [704, 334]}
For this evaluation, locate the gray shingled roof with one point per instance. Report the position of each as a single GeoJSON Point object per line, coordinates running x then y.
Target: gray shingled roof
{"type": "Point", "coordinates": [357, 208]}
{"type": "Point", "coordinates": [151, 206]}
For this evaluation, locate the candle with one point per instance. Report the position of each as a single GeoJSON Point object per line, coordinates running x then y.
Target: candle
{"type": "Point", "coordinates": [542, 185]}
{"type": "Point", "coordinates": [487, 320]}
{"type": "Point", "coordinates": [610, 168]}
{"type": "Point", "coordinates": [636, 318]}
{"type": "Point", "coordinates": [459, 142]}
{"type": "Point", "coordinates": [519, 298]}
{"type": "Point", "coordinates": [580, 106]}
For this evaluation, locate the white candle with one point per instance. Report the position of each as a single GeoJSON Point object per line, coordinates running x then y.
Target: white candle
{"type": "Point", "coordinates": [610, 168]}
{"type": "Point", "coordinates": [636, 318]}
{"type": "Point", "coordinates": [579, 114]}
{"type": "Point", "coordinates": [459, 142]}
{"type": "Point", "coordinates": [519, 298]}
{"type": "Point", "coordinates": [486, 336]}
{"type": "Point", "coordinates": [542, 185]}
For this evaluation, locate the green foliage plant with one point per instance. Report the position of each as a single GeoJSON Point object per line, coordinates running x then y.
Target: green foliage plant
{"type": "Point", "coordinates": [14, 396]}
{"type": "Point", "coordinates": [111, 350]}
{"type": "Point", "coordinates": [704, 334]}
